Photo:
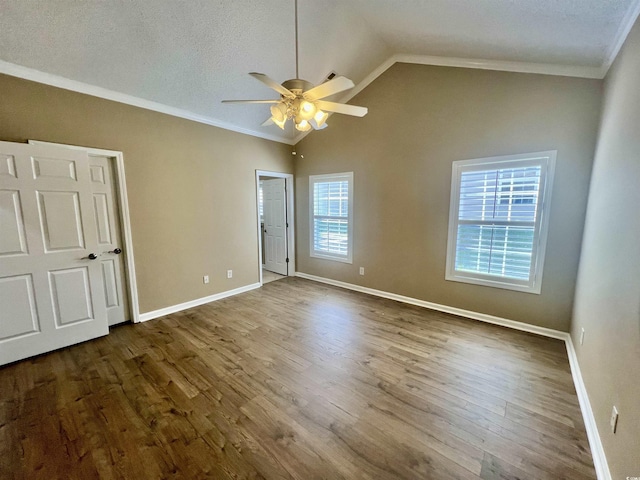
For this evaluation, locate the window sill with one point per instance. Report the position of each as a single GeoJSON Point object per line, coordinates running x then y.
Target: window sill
{"type": "Point", "coordinates": [494, 282]}
{"type": "Point", "coordinates": [331, 257]}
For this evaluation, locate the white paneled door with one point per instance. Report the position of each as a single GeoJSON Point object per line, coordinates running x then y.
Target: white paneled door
{"type": "Point", "coordinates": [51, 283]}
{"type": "Point", "coordinates": [274, 212]}
{"type": "Point", "coordinates": [107, 218]}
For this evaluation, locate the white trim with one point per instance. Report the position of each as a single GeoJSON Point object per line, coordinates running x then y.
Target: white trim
{"type": "Point", "coordinates": [483, 317]}
{"type": "Point", "coordinates": [61, 82]}
{"type": "Point", "coordinates": [497, 65]}
{"type": "Point", "coordinates": [597, 450]}
{"type": "Point", "coordinates": [595, 444]}
{"type": "Point", "coordinates": [331, 177]}
{"type": "Point", "coordinates": [125, 219]}
{"type": "Point", "coordinates": [369, 79]}
{"type": "Point", "coordinates": [546, 161]}
{"type": "Point", "coordinates": [621, 36]}
{"type": "Point", "coordinates": [291, 229]}
{"type": "Point", "coordinates": [34, 75]}
{"type": "Point", "coordinates": [144, 317]}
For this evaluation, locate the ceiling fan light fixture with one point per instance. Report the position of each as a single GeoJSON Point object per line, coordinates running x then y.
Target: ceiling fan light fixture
{"type": "Point", "coordinates": [303, 126]}
{"type": "Point", "coordinates": [307, 110]}
{"type": "Point", "coordinates": [300, 101]}
{"type": "Point", "coordinates": [279, 114]}
{"type": "Point", "coordinates": [320, 119]}
{"type": "Point", "coordinates": [279, 123]}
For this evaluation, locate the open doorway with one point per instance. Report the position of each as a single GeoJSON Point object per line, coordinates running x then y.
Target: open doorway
{"type": "Point", "coordinates": [274, 193]}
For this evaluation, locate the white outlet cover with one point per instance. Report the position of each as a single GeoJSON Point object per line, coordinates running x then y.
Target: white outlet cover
{"type": "Point", "coordinates": [614, 419]}
{"type": "Point", "coordinates": [361, 270]}
{"type": "Point", "coordinates": [205, 279]}
{"type": "Point", "coordinates": [229, 273]}
{"type": "Point", "coordinates": [582, 337]}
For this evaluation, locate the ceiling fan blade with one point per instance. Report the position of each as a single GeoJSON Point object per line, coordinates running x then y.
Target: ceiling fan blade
{"type": "Point", "coordinates": [269, 82]}
{"type": "Point", "coordinates": [342, 108]}
{"type": "Point", "coordinates": [267, 122]}
{"type": "Point", "coordinates": [251, 101]}
{"type": "Point", "coordinates": [338, 84]}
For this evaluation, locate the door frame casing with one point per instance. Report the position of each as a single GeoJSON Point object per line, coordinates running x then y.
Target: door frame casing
{"type": "Point", "coordinates": [290, 221]}
{"type": "Point", "coordinates": [125, 220]}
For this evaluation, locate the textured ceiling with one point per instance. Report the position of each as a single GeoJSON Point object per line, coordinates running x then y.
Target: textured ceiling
{"type": "Point", "coordinates": [191, 55]}
{"type": "Point", "coordinates": [570, 32]}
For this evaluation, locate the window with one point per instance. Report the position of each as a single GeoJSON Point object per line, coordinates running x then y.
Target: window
{"type": "Point", "coordinates": [498, 220]}
{"type": "Point", "coordinates": [331, 214]}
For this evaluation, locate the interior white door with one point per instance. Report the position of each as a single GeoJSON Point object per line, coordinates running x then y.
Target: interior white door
{"type": "Point", "coordinates": [275, 225]}
{"type": "Point", "coordinates": [50, 289]}
{"type": "Point", "coordinates": [107, 218]}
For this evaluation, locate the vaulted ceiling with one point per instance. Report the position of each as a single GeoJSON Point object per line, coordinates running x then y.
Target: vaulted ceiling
{"type": "Point", "coordinates": [183, 58]}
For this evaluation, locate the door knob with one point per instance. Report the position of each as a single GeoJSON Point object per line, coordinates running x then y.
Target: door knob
{"type": "Point", "coordinates": [92, 256]}
{"type": "Point", "coordinates": [117, 251]}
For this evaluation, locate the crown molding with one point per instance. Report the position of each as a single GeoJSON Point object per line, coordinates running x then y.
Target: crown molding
{"type": "Point", "coordinates": [497, 65]}
{"type": "Point", "coordinates": [38, 76]}
{"type": "Point", "coordinates": [623, 32]}
{"type": "Point", "coordinates": [379, 70]}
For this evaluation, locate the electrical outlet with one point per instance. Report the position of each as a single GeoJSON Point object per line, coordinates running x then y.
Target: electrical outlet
{"type": "Point", "coordinates": [229, 273]}
{"type": "Point", "coordinates": [205, 279]}
{"type": "Point", "coordinates": [582, 337]}
{"type": "Point", "coordinates": [614, 419]}
{"type": "Point", "coordinates": [361, 270]}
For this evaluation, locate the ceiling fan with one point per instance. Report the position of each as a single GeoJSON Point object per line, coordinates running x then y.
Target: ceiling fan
{"type": "Point", "coordinates": [301, 102]}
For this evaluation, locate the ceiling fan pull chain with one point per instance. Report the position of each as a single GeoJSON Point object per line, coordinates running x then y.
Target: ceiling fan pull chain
{"type": "Point", "coordinates": [296, 14]}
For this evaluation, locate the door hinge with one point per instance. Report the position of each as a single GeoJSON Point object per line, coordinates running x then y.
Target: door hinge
{"type": "Point", "coordinates": [287, 260]}
{"type": "Point", "coordinates": [287, 225]}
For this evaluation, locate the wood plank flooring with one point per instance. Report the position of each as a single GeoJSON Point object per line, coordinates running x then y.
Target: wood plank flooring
{"type": "Point", "coordinates": [297, 380]}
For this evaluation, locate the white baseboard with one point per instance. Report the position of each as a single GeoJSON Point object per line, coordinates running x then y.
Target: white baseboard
{"type": "Point", "coordinates": [483, 317]}
{"type": "Point", "coordinates": [194, 303]}
{"type": "Point", "coordinates": [597, 451]}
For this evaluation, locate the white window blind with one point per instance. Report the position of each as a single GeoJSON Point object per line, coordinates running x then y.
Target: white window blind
{"type": "Point", "coordinates": [331, 207]}
{"type": "Point", "coordinates": [498, 220]}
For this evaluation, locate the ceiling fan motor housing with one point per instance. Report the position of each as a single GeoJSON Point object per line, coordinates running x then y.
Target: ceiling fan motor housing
{"type": "Point", "coordinates": [297, 84]}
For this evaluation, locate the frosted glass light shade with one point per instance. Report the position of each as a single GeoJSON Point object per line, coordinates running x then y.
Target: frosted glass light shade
{"type": "Point", "coordinates": [319, 120]}
{"type": "Point", "coordinates": [307, 110]}
{"type": "Point", "coordinates": [303, 126]}
{"type": "Point", "coordinates": [279, 114]}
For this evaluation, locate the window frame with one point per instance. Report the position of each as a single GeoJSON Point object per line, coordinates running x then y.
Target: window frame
{"type": "Point", "coordinates": [336, 177]}
{"type": "Point", "coordinates": [546, 160]}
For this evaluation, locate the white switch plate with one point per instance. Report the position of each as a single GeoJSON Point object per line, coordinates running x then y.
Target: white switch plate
{"type": "Point", "coordinates": [614, 419]}
{"type": "Point", "coordinates": [582, 337]}
{"type": "Point", "coordinates": [229, 273]}
{"type": "Point", "coordinates": [361, 270]}
{"type": "Point", "coordinates": [205, 279]}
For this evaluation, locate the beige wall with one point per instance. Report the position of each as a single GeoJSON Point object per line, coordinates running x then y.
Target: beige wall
{"type": "Point", "coordinates": [191, 187]}
{"type": "Point", "coordinates": [421, 119]}
{"type": "Point", "coordinates": [607, 301]}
